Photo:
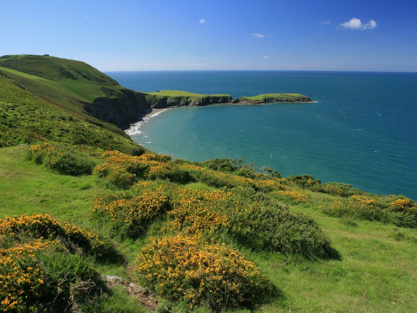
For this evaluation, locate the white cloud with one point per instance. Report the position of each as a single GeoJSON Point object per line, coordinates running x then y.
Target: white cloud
{"type": "Point", "coordinates": [356, 24]}
{"type": "Point", "coordinates": [325, 23]}
{"type": "Point", "coordinates": [266, 57]}
{"type": "Point", "coordinates": [202, 21]}
{"type": "Point", "coordinates": [258, 35]}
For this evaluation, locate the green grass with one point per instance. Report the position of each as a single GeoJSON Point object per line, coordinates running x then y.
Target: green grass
{"type": "Point", "coordinates": [179, 93]}
{"type": "Point", "coordinates": [279, 97]}
{"type": "Point", "coordinates": [376, 274]}
{"type": "Point", "coordinates": [27, 118]}
{"type": "Point", "coordinates": [67, 84]}
{"type": "Point", "coordinates": [176, 97]}
{"type": "Point", "coordinates": [27, 188]}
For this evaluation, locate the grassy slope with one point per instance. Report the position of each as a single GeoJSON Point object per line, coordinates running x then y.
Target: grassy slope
{"type": "Point", "coordinates": [65, 83]}
{"type": "Point", "coordinates": [27, 118]}
{"type": "Point", "coordinates": [377, 272]}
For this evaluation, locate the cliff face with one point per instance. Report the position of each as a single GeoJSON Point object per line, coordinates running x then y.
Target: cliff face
{"type": "Point", "coordinates": [128, 109]}
{"type": "Point", "coordinates": [165, 102]}
{"type": "Point", "coordinates": [121, 111]}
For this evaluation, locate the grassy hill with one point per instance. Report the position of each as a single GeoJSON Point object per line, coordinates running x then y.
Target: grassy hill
{"type": "Point", "coordinates": [81, 201]}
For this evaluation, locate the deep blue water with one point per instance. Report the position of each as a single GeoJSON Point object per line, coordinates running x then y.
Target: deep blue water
{"type": "Point", "coordinates": [361, 131]}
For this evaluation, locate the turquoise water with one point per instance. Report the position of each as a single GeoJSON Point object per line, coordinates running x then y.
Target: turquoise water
{"type": "Point", "coordinates": [362, 130]}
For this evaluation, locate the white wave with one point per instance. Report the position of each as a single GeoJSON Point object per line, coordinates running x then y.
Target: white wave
{"type": "Point", "coordinates": [135, 129]}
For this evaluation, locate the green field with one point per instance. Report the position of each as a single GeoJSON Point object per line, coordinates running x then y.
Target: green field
{"type": "Point", "coordinates": [278, 97]}
{"type": "Point", "coordinates": [80, 200]}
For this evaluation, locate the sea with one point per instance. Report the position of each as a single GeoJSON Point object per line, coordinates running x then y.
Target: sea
{"type": "Point", "coordinates": [361, 128]}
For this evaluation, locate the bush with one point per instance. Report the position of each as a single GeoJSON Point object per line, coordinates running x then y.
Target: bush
{"type": "Point", "coordinates": [186, 269]}
{"type": "Point", "coordinates": [340, 189]}
{"type": "Point", "coordinates": [40, 276]}
{"type": "Point", "coordinates": [61, 160]}
{"type": "Point", "coordinates": [400, 212]}
{"type": "Point", "coordinates": [129, 215]}
{"type": "Point", "coordinates": [223, 165]}
{"type": "Point", "coordinates": [305, 181]}
{"type": "Point", "coordinates": [248, 218]}
{"type": "Point", "coordinates": [404, 212]}
{"type": "Point", "coordinates": [22, 279]}
{"type": "Point", "coordinates": [270, 226]}
{"type": "Point", "coordinates": [123, 170]}
{"type": "Point", "coordinates": [72, 237]}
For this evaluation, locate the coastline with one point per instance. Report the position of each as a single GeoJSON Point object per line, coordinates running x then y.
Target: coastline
{"type": "Point", "coordinates": [134, 128]}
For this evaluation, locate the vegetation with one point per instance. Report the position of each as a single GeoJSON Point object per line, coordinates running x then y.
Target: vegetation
{"type": "Point", "coordinates": [276, 97]}
{"type": "Point", "coordinates": [166, 98]}
{"type": "Point", "coordinates": [80, 201]}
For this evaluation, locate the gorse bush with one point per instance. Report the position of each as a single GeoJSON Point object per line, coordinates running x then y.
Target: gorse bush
{"type": "Point", "coordinates": [332, 188]}
{"type": "Point", "coordinates": [21, 278]}
{"type": "Point", "coordinates": [72, 237]}
{"type": "Point", "coordinates": [187, 269]}
{"type": "Point", "coordinates": [61, 160]}
{"type": "Point", "coordinates": [270, 226]}
{"type": "Point", "coordinates": [129, 215]}
{"type": "Point", "coordinates": [217, 179]}
{"type": "Point", "coordinates": [124, 170]}
{"type": "Point", "coordinates": [293, 196]}
{"type": "Point", "coordinates": [257, 223]}
{"type": "Point", "coordinates": [404, 211]}
{"type": "Point", "coordinates": [48, 274]}
{"type": "Point", "coordinates": [401, 211]}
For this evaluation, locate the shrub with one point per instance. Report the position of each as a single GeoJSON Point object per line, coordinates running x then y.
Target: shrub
{"type": "Point", "coordinates": [248, 218]}
{"type": "Point", "coordinates": [40, 276]}
{"type": "Point", "coordinates": [305, 181]}
{"type": "Point", "coordinates": [69, 280]}
{"type": "Point", "coordinates": [293, 196]}
{"type": "Point", "coordinates": [404, 212]}
{"type": "Point", "coordinates": [223, 165]}
{"type": "Point", "coordinates": [130, 215]}
{"type": "Point", "coordinates": [400, 212]}
{"type": "Point", "coordinates": [73, 238]}
{"type": "Point", "coordinates": [21, 278]}
{"type": "Point", "coordinates": [186, 269]}
{"type": "Point", "coordinates": [123, 170]}
{"type": "Point", "coordinates": [270, 226]}
{"type": "Point", "coordinates": [339, 189]}
{"type": "Point", "coordinates": [197, 212]}
{"type": "Point", "coordinates": [61, 160]}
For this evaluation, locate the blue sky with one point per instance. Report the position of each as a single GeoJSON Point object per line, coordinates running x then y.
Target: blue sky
{"type": "Point", "coordinates": [127, 35]}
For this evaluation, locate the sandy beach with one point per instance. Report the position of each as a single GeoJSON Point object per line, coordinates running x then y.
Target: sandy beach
{"type": "Point", "coordinates": [154, 112]}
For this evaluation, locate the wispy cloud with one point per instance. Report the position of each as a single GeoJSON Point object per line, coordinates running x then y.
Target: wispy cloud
{"type": "Point", "coordinates": [202, 21]}
{"type": "Point", "coordinates": [258, 35]}
{"type": "Point", "coordinates": [356, 24]}
{"type": "Point", "coordinates": [93, 19]}
{"type": "Point", "coordinates": [325, 22]}
{"type": "Point", "coordinates": [266, 57]}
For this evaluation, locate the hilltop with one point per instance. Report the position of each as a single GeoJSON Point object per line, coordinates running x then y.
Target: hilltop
{"type": "Point", "coordinates": [91, 221]}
